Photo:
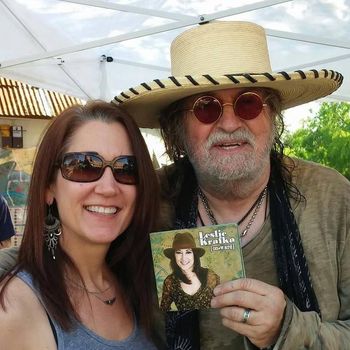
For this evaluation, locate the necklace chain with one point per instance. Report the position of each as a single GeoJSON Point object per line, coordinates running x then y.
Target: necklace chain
{"type": "Point", "coordinates": [256, 210]}
{"type": "Point", "coordinates": [88, 291]}
{"type": "Point", "coordinates": [205, 203]}
{"type": "Point", "coordinates": [96, 293]}
{"type": "Point", "coordinates": [106, 301]}
{"type": "Point", "coordinates": [256, 205]}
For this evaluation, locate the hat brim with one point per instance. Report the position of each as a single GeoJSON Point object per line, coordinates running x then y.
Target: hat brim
{"type": "Point", "coordinates": [146, 101]}
{"type": "Point", "coordinates": [169, 252]}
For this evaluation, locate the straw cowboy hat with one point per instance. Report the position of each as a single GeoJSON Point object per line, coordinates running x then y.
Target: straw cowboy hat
{"type": "Point", "coordinates": [221, 55]}
{"type": "Point", "coordinates": [183, 240]}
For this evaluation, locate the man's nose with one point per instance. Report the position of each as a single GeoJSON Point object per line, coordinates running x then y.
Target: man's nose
{"type": "Point", "coordinates": [229, 121]}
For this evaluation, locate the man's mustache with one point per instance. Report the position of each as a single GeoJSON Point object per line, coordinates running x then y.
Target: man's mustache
{"type": "Point", "coordinates": [237, 136]}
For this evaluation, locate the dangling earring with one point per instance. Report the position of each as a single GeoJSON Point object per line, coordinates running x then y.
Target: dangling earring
{"type": "Point", "coordinates": [180, 149]}
{"type": "Point", "coordinates": [52, 232]}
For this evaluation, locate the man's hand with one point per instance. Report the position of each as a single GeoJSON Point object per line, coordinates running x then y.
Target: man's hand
{"type": "Point", "coordinates": [252, 308]}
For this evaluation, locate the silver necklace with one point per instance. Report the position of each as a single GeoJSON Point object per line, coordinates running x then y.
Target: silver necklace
{"type": "Point", "coordinates": [110, 301]}
{"type": "Point", "coordinates": [257, 204]}
{"type": "Point", "coordinates": [106, 301]}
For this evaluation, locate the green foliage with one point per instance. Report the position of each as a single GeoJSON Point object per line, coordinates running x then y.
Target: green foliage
{"type": "Point", "coordinates": [324, 138]}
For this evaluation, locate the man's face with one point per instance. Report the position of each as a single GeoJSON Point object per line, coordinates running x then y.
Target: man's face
{"type": "Point", "coordinates": [231, 148]}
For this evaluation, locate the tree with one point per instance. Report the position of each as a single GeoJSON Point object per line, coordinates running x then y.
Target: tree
{"type": "Point", "coordinates": [324, 138]}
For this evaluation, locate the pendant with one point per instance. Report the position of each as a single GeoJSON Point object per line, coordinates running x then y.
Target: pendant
{"type": "Point", "coordinates": [110, 301]}
{"type": "Point", "coordinates": [244, 233]}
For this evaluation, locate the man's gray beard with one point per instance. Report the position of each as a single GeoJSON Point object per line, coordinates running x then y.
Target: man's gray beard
{"type": "Point", "coordinates": [231, 175]}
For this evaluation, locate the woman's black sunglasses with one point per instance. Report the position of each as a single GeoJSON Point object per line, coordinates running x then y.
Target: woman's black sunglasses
{"type": "Point", "coordinates": [90, 166]}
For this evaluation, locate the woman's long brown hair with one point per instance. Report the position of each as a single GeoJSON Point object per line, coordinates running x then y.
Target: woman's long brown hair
{"type": "Point", "coordinates": [129, 256]}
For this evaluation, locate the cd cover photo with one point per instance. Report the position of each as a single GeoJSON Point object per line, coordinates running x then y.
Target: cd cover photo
{"type": "Point", "coordinates": [190, 263]}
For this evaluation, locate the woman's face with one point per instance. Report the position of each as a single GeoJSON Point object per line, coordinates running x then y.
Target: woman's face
{"type": "Point", "coordinates": [95, 213]}
{"type": "Point", "coordinates": [184, 259]}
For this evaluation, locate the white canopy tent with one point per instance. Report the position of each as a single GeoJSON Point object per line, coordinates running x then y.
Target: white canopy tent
{"type": "Point", "coordinates": [97, 48]}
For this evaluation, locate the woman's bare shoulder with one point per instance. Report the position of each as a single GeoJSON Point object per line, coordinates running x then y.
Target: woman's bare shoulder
{"type": "Point", "coordinates": [24, 314]}
{"type": "Point", "coordinates": [19, 296]}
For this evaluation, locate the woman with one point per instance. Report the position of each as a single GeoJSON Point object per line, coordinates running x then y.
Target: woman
{"type": "Point", "coordinates": [92, 202]}
{"type": "Point", "coordinates": [190, 286]}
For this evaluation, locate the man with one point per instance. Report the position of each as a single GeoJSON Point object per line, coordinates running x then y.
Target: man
{"type": "Point", "coordinates": [220, 117]}
{"type": "Point", "coordinates": [6, 227]}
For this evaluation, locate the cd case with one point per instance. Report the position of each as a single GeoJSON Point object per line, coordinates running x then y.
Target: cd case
{"type": "Point", "coordinates": [189, 263]}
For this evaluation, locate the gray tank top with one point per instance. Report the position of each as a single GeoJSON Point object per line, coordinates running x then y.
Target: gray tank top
{"type": "Point", "coordinates": [80, 337]}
